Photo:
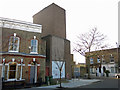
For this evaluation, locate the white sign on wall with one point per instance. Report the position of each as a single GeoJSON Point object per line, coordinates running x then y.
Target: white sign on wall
{"type": "Point", "coordinates": [56, 71]}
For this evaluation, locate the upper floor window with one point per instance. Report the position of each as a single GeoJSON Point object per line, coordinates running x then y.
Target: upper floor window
{"type": "Point", "coordinates": [91, 60]}
{"type": "Point", "coordinates": [34, 46]}
{"type": "Point", "coordinates": [103, 59]}
{"type": "Point", "coordinates": [111, 58]}
{"type": "Point", "coordinates": [98, 60]}
{"type": "Point", "coordinates": [14, 43]}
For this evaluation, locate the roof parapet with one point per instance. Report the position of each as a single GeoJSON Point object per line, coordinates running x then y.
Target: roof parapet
{"type": "Point", "coordinates": [21, 25]}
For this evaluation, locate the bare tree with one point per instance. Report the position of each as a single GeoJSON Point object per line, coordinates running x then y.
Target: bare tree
{"type": "Point", "coordinates": [59, 62]}
{"type": "Point", "coordinates": [87, 42]}
{"type": "Point", "coordinates": [60, 69]}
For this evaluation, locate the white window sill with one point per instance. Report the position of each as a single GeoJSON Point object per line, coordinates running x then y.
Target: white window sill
{"type": "Point", "coordinates": [112, 62]}
{"type": "Point", "coordinates": [12, 51]}
{"type": "Point", "coordinates": [11, 79]}
{"type": "Point", "coordinates": [33, 53]}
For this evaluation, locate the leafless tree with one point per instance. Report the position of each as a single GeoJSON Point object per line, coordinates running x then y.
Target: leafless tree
{"type": "Point", "coordinates": [90, 41]}
{"type": "Point", "coordinates": [59, 58]}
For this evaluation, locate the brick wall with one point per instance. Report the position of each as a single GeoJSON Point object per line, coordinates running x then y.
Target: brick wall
{"type": "Point", "coordinates": [53, 21]}
{"type": "Point", "coordinates": [25, 42]}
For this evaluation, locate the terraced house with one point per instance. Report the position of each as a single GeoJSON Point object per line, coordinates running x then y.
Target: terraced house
{"type": "Point", "coordinates": [103, 60]}
{"type": "Point", "coordinates": [22, 51]}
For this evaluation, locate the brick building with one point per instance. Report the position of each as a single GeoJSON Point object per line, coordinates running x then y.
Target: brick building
{"type": "Point", "coordinates": [53, 21]}
{"type": "Point", "coordinates": [22, 51]}
{"type": "Point", "coordinates": [103, 60]}
{"type": "Point", "coordinates": [31, 51]}
{"type": "Point", "coordinates": [79, 70]}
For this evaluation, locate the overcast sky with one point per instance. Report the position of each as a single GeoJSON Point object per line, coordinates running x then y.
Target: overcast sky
{"type": "Point", "coordinates": [81, 16]}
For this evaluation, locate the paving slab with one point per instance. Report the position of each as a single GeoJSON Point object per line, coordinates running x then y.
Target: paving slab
{"type": "Point", "coordinates": [73, 83]}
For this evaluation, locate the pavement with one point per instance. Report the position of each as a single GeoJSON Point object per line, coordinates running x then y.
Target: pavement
{"type": "Point", "coordinates": [73, 83]}
{"type": "Point", "coordinates": [104, 82]}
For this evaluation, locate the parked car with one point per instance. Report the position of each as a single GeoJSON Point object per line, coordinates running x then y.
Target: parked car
{"type": "Point", "coordinates": [117, 75]}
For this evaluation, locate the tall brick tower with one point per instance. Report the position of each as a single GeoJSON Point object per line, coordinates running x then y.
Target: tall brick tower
{"type": "Point", "coordinates": [53, 21]}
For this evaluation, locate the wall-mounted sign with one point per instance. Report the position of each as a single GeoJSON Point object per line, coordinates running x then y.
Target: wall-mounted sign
{"type": "Point", "coordinates": [56, 71]}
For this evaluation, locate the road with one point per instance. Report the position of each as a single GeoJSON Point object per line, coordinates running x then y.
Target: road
{"type": "Point", "coordinates": [107, 84]}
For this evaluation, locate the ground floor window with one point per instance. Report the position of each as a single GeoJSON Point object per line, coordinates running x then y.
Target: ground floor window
{"type": "Point", "coordinates": [91, 70]}
{"type": "Point", "coordinates": [112, 69]}
{"type": "Point", "coordinates": [12, 71]}
{"type": "Point", "coordinates": [116, 69]}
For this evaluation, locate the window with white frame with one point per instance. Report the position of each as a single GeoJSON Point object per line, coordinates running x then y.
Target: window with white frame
{"type": "Point", "coordinates": [98, 60]}
{"type": "Point", "coordinates": [103, 59]}
{"type": "Point", "coordinates": [111, 58]}
{"type": "Point", "coordinates": [12, 71]}
{"type": "Point", "coordinates": [91, 70]}
{"type": "Point", "coordinates": [34, 46]}
{"type": "Point", "coordinates": [14, 44]}
{"type": "Point", "coordinates": [91, 60]}
{"type": "Point", "coordinates": [112, 70]}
